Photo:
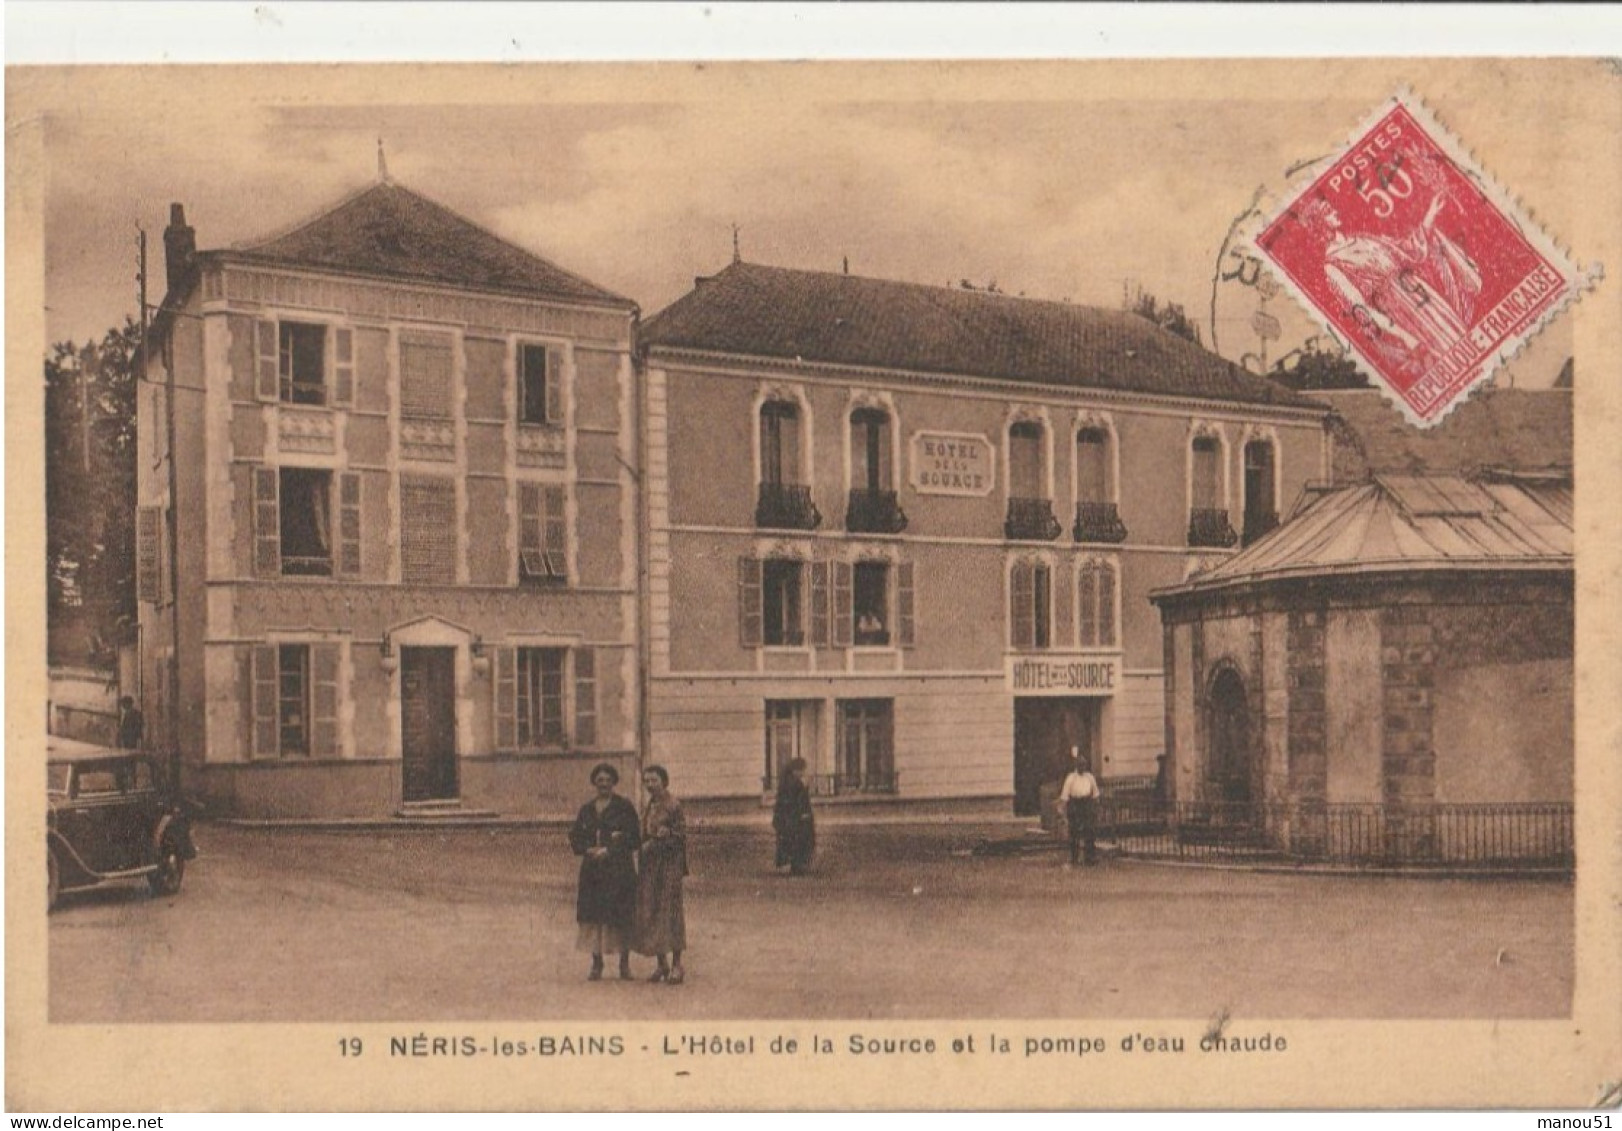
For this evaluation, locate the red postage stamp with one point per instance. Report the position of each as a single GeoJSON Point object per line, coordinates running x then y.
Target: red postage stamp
{"type": "Point", "coordinates": [1416, 260]}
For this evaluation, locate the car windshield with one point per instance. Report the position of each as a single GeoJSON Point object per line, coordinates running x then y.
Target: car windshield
{"type": "Point", "coordinates": [56, 780]}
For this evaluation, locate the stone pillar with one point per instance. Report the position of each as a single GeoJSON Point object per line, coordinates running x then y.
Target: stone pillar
{"type": "Point", "coordinates": [1408, 752]}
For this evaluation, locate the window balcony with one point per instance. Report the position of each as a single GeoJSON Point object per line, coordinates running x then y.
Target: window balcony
{"type": "Point", "coordinates": [1099, 522]}
{"type": "Point", "coordinates": [786, 506]}
{"type": "Point", "coordinates": [1257, 523]}
{"type": "Point", "coordinates": [874, 512]}
{"type": "Point", "coordinates": [1031, 520]}
{"type": "Point", "coordinates": [1209, 527]}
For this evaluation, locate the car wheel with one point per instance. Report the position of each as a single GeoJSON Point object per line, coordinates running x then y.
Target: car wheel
{"type": "Point", "coordinates": [53, 881]}
{"type": "Point", "coordinates": [171, 868]}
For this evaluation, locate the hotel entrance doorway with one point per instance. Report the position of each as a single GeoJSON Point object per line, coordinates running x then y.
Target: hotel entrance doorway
{"type": "Point", "coordinates": [1045, 730]}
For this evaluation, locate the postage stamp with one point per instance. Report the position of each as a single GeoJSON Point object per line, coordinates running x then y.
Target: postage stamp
{"type": "Point", "coordinates": [1428, 272]}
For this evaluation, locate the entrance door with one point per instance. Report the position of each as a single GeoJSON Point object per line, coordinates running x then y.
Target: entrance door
{"type": "Point", "coordinates": [428, 723]}
{"type": "Point", "coordinates": [1045, 730]}
{"type": "Point", "coordinates": [1230, 738]}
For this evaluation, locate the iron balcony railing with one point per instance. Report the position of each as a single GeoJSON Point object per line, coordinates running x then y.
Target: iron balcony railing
{"type": "Point", "coordinates": [878, 783]}
{"type": "Point", "coordinates": [1258, 523]}
{"type": "Point", "coordinates": [874, 512]}
{"type": "Point", "coordinates": [1525, 835]}
{"type": "Point", "coordinates": [1099, 522]}
{"type": "Point", "coordinates": [1031, 520]}
{"type": "Point", "coordinates": [1209, 527]}
{"type": "Point", "coordinates": [787, 506]}
{"type": "Point", "coordinates": [294, 565]}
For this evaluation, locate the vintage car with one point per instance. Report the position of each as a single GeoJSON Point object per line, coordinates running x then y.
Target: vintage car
{"type": "Point", "coordinates": [111, 817]}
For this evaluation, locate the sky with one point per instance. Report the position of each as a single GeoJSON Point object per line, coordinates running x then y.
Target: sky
{"type": "Point", "coordinates": [1078, 183]}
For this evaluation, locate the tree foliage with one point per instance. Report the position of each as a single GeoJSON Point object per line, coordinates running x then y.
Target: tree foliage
{"type": "Point", "coordinates": [1310, 368]}
{"type": "Point", "coordinates": [1168, 316]}
{"type": "Point", "coordinates": [90, 493]}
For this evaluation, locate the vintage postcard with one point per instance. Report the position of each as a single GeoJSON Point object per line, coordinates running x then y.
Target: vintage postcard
{"type": "Point", "coordinates": [833, 585]}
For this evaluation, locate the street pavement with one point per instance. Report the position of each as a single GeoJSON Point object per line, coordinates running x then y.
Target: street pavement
{"type": "Point", "coordinates": [896, 921]}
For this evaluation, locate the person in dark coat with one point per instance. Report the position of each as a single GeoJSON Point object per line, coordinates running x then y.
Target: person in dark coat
{"type": "Point", "coordinates": [606, 836]}
{"type": "Point", "coordinates": [130, 724]}
{"type": "Point", "coordinates": [661, 920]}
{"type": "Point", "coordinates": [793, 820]}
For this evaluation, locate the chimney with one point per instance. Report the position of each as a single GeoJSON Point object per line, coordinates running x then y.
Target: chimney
{"type": "Point", "coordinates": [179, 247]}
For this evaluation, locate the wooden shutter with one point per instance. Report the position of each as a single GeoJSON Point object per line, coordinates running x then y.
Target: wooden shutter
{"type": "Point", "coordinates": [1021, 606]}
{"type": "Point", "coordinates": [148, 554]}
{"type": "Point", "coordinates": [267, 371]}
{"type": "Point", "coordinates": [554, 387]}
{"type": "Point", "coordinates": [750, 619]}
{"type": "Point", "coordinates": [844, 608]}
{"type": "Point", "coordinates": [343, 367]}
{"type": "Point", "coordinates": [506, 699]}
{"type": "Point", "coordinates": [819, 603]}
{"type": "Point", "coordinates": [554, 531]}
{"type": "Point", "coordinates": [267, 522]}
{"type": "Point", "coordinates": [429, 542]}
{"type": "Point", "coordinates": [349, 523]}
{"type": "Point", "coordinates": [903, 604]}
{"type": "Point", "coordinates": [324, 741]}
{"type": "Point", "coordinates": [266, 740]}
{"type": "Point", "coordinates": [585, 697]}
{"type": "Point", "coordinates": [1106, 605]}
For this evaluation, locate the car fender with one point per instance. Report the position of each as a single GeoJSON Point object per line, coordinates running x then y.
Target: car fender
{"type": "Point", "coordinates": [176, 824]}
{"type": "Point", "coordinates": [74, 870]}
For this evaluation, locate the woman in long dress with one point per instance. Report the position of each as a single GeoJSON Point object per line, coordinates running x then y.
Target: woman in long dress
{"type": "Point", "coordinates": [606, 836]}
{"type": "Point", "coordinates": [661, 925]}
{"type": "Point", "coordinates": [793, 820]}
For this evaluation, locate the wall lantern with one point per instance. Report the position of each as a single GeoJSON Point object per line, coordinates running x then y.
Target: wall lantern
{"type": "Point", "coordinates": [390, 661]}
{"type": "Point", "coordinates": [481, 661]}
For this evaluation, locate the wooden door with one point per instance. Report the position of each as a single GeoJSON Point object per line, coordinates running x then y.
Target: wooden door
{"type": "Point", "coordinates": [428, 723]}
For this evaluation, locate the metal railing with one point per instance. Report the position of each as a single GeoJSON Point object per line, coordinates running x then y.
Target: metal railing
{"type": "Point", "coordinates": [1099, 522]}
{"type": "Point", "coordinates": [1208, 527]}
{"type": "Point", "coordinates": [1453, 836]}
{"type": "Point", "coordinates": [874, 512]}
{"type": "Point", "coordinates": [787, 506]}
{"type": "Point", "coordinates": [1031, 520]}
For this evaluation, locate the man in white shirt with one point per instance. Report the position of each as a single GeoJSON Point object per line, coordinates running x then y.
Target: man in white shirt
{"type": "Point", "coordinates": [1078, 801]}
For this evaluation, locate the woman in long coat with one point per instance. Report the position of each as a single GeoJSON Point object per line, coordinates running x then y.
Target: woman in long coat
{"type": "Point", "coordinates": [606, 836]}
{"type": "Point", "coordinates": [793, 820]}
{"type": "Point", "coordinates": [661, 924]}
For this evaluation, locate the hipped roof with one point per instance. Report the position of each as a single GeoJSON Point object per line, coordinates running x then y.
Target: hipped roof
{"type": "Point", "coordinates": [1397, 524]}
{"type": "Point", "coordinates": [754, 311]}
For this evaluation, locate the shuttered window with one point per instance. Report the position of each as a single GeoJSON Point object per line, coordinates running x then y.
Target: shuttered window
{"type": "Point", "coordinates": [267, 523]}
{"type": "Point", "coordinates": [750, 616]}
{"type": "Point", "coordinates": [349, 524]}
{"type": "Point", "coordinates": [428, 541]}
{"type": "Point", "coordinates": [1026, 479]}
{"type": "Point", "coordinates": [1096, 601]}
{"type": "Point", "coordinates": [1206, 472]}
{"type": "Point", "coordinates": [904, 618]}
{"type": "Point", "coordinates": [542, 534]}
{"type": "Point", "coordinates": [819, 603]}
{"type": "Point", "coordinates": [149, 554]}
{"type": "Point", "coordinates": [1092, 466]}
{"type": "Point", "coordinates": [295, 691]}
{"type": "Point", "coordinates": [585, 697]}
{"type": "Point", "coordinates": [540, 385]}
{"type": "Point", "coordinates": [425, 376]}
{"type": "Point", "coordinates": [844, 604]}
{"type": "Point", "coordinates": [1030, 605]}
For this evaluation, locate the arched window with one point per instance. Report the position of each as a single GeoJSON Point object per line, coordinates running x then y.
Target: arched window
{"type": "Point", "coordinates": [1030, 605]}
{"type": "Point", "coordinates": [1095, 600]}
{"type": "Point", "coordinates": [1030, 511]}
{"type": "Point", "coordinates": [1208, 510]}
{"type": "Point", "coordinates": [785, 501]}
{"type": "Point", "coordinates": [874, 507]}
{"type": "Point", "coordinates": [1097, 519]}
{"type": "Point", "coordinates": [1261, 484]}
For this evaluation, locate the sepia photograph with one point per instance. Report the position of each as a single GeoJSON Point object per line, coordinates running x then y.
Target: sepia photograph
{"type": "Point", "coordinates": [963, 574]}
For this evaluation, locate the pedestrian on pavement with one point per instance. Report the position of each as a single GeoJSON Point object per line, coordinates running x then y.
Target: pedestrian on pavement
{"type": "Point", "coordinates": [793, 820]}
{"type": "Point", "coordinates": [1078, 801]}
{"type": "Point", "coordinates": [606, 836]}
{"type": "Point", "coordinates": [661, 924]}
{"type": "Point", "coordinates": [130, 724]}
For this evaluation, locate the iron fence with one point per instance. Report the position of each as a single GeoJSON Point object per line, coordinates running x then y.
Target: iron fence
{"type": "Point", "coordinates": [1454, 836]}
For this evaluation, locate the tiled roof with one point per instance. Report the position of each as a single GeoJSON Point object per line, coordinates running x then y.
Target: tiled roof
{"type": "Point", "coordinates": [391, 231]}
{"type": "Point", "coordinates": [772, 312]}
{"type": "Point", "coordinates": [1525, 429]}
{"type": "Point", "coordinates": [1410, 523]}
